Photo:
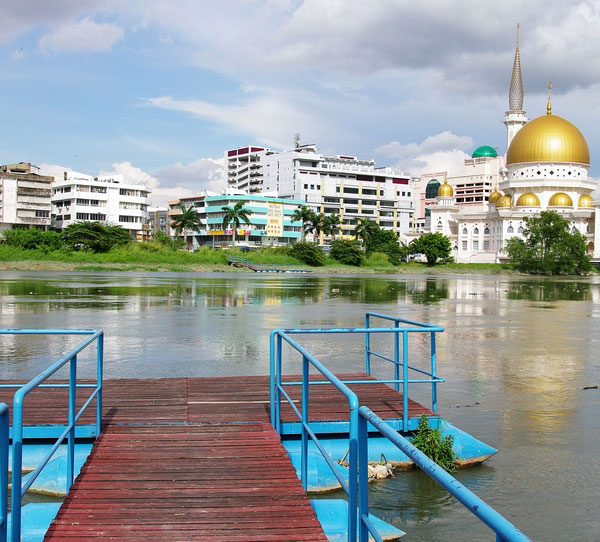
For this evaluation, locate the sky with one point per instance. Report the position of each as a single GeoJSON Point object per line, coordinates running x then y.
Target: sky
{"type": "Point", "coordinates": [158, 90]}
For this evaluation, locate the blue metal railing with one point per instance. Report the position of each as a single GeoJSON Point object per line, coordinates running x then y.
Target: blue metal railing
{"type": "Point", "coordinates": [410, 327]}
{"type": "Point", "coordinates": [18, 488]}
{"type": "Point", "coordinates": [505, 531]}
{"type": "Point", "coordinates": [357, 486]}
{"type": "Point", "coordinates": [3, 471]}
{"type": "Point", "coordinates": [433, 378]}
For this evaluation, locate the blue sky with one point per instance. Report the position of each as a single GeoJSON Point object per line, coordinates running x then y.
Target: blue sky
{"type": "Point", "coordinates": [158, 90]}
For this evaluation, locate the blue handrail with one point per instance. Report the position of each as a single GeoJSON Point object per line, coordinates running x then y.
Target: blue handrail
{"type": "Point", "coordinates": [3, 471]}
{"type": "Point", "coordinates": [18, 489]}
{"type": "Point", "coordinates": [505, 531]}
{"type": "Point", "coordinates": [357, 486]}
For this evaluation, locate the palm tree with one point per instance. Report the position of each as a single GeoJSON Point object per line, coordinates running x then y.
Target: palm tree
{"type": "Point", "coordinates": [189, 219]}
{"type": "Point", "coordinates": [303, 214]}
{"type": "Point", "coordinates": [332, 225]}
{"type": "Point", "coordinates": [364, 230]}
{"type": "Point", "coordinates": [315, 225]}
{"type": "Point", "coordinates": [234, 216]}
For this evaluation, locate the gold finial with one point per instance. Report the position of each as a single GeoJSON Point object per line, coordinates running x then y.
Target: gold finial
{"type": "Point", "coordinates": [549, 108]}
{"type": "Point", "coordinates": [518, 29]}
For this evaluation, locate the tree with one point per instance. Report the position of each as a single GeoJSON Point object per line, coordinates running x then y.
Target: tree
{"type": "Point", "coordinates": [315, 225]}
{"type": "Point", "coordinates": [308, 253]}
{"type": "Point", "coordinates": [364, 230]}
{"type": "Point", "coordinates": [234, 216]}
{"type": "Point", "coordinates": [332, 224]}
{"type": "Point", "coordinates": [303, 214]}
{"type": "Point", "coordinates": [386, 242]}
{"type": "Point", "coordinates": [94, 236]}
{"type": "Point", "coordinates": [548, 247]}
{"type": "Point", "coordinates": [189, 219]}
{"type": "Point", "coordinates": [435, 246]}
{"type": "Point", "coordinates": [347, 252]}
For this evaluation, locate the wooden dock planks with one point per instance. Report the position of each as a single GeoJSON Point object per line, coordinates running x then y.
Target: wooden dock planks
{"type": "Point", "coordinates": [195, 482]}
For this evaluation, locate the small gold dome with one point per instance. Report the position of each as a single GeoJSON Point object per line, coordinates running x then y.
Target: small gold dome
{"type": "Point", "coordinates": [495, 196]}
{"type": "Point", "coordinates": [548, 139]}
{"type": "Point", "coordinates": [504, 201]}
{"type": "Point", "coordinates": [445, 190]}
{"type": "Point", "coordinates": [585, 200]}
{"type": "Point", "coordinates": [529, 199]}
{"type": "Point", "coordinates": [560, 199]}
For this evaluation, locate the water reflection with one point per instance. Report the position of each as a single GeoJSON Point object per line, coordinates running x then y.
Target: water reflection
{"type": "Point", "coordinates": [516, 353]}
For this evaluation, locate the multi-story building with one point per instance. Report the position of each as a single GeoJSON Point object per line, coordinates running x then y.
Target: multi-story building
{"type": "Point", "coordinates": [81, 197]}
{"type": "Point", "coordinates": [157, 222]}
{"type": "Point", "coordinates": [24, 197]}
{"type": "Point", "coordinates": [345, 185]}
{"type": "Point", "coordinates": [270, 218]}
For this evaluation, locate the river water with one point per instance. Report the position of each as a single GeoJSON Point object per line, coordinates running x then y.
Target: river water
{"type": "Point", "coordinates": [517, 353]}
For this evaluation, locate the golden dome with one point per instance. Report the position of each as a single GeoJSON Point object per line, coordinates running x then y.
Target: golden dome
{"type": "Point", "coordinates": [504, 201]}
{"type": "Point", "coordinates": [445, 190]}
{"type": "Point", "coordinates": [495, 196]}
{"type": "Point", "coordinates": [560, 199]}
{"type": "Point", "coordinates": [529, 199]}
{"type": "Point", "coordinates": [585, 200]}
{"type": "Point", "coordinates": [548, 139]}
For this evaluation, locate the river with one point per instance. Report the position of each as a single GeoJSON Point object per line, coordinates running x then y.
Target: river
{"type": "Point", "coordinates": [517, 353]}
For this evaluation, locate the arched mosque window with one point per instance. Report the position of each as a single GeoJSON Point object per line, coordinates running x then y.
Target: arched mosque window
{"type": "Point", "coordinates": [431, 191]}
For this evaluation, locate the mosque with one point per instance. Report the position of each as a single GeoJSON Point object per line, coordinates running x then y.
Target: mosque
{"type": "Point", "coordinates": [545, 168]}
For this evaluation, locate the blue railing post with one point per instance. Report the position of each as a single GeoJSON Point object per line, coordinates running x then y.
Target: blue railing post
{"type": "Point", "coordinates": [278, 385]}
{"type": "Point", "coordinates": [272, 377]}
{"type": "Point", "coordinates": [397, 357]}
{"type": "Point", "coordinates": [304, 458]}
{"type": "Point", "coordinates": [99, 380]}
{"type": "Point", "coordinates": [433, 373]}
{"type": "Point", "coordinates": [367, 347]}
{"type": "Point", "coordinates": [404, 380]}
{"type": "Point", "coordinates": [353, 469]}
{"type": "Point", "coordinates": [72, 410]}
{"type": "Point", "coordinates": [363, 478]}
{"type": "Point", "coordinates": [3, 471]}
{"type": "Point", "coordinates": [17, 465]}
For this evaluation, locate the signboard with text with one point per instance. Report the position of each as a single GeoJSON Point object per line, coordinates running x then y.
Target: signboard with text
{"type": "Point", "coordinates": [275, 219]}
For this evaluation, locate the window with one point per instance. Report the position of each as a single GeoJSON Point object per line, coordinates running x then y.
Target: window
{"type": "Point", "coordinates": [486, 231]}
{"type": "Point", "coordinates": [510, 229]}
{"type": "Point", "coordinates": [476, 231]}
{"type": "Point", "coordinates": [42, 214]}
{"type": "Point", "coordinates": [128, 219]}
{"type": "Point", "coordinates": [475, 245]}
{"type": "Point", "coordinates": [464, 244]}
{"type": "Point", "coordinates": [520, 230]}
{"type": "Point", "coordinates": [305, 187]}
{"type": "Point", "coordinates": [465, 232]}
{"type": "Point", "coordinates": [486, 244]}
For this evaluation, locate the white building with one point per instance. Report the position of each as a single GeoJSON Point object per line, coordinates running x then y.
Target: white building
{"type": "Point", "coordinates": [81, 197]}
{"type": "Point", "coordinates": [344, 185]}
{"type": "Point", "coordinates": [24, 197]}
{"type": "Point", "coordinates": [545, 168]}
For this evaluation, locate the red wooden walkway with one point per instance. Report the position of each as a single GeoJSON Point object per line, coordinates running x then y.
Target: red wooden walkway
{"type": "Point", "coordinates": [193, 459]}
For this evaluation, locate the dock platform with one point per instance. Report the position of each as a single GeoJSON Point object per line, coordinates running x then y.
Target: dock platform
{"type": "Point", "coordinates": [194, 459]}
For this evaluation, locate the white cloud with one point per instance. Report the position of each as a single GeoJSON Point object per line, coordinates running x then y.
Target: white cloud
{"type": "Point", "coordinates": [268, 119]}
{"type": "Point", "coordinates": [441, 152]}
{"type": "Point", "coordinates": [82, 35]}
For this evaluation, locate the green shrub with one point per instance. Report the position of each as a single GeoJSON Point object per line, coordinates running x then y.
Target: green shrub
{"type": "Point", "coordinates": [94, 236]}
{"type": "Point", "coordinates": [438, 448]}
{"type": "Point", "coordinates": [308, 253]}
{"type": "Point", "coordinates": [347, 252]}
{"type": "Point", "coordinates": [378, 259]}
{"type": "Point", "coordinates": [32, 239]}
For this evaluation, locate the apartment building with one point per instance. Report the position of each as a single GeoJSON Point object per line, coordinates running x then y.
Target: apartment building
{"type": "Point", "coordinates": [270, 218]}
{"type": "Point", "coordinates": [24, 197]}
{"type": "Point", "coordinates": [81, 197]}
{"type": "Point", "coordinates": [345, 185]}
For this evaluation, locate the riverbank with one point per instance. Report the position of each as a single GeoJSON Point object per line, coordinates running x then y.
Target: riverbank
{"type": "Point", "coordinates": [408, 268]}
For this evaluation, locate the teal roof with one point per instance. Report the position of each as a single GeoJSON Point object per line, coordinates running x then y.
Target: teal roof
{"type": "Point", "coordinates": [485, 151]}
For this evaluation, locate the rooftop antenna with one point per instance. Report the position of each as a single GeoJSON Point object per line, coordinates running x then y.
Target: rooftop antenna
{"type": "Point", "coordinates": [297, 140]}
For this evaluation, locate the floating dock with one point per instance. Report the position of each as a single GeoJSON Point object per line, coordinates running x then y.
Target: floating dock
{"type": "Point", "coordinates": [193, 459]}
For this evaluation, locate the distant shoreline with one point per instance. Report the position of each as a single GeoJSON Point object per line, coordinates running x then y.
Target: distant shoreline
{"type": "Point", "coordinates": [412, 268]}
